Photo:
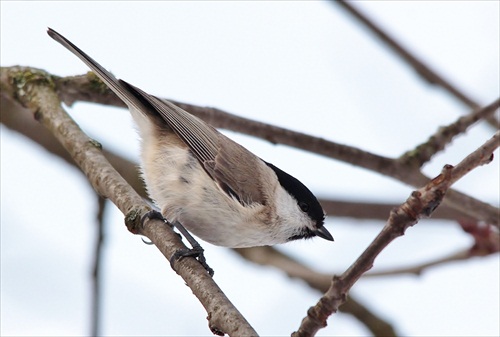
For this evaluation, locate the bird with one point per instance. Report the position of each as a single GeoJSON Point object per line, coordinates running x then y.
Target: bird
{"type": "Point", "coordinates": [198, 177]}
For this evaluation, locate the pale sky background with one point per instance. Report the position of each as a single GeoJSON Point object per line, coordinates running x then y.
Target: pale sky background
{"type": "Point", "coordinates": [306, 66]}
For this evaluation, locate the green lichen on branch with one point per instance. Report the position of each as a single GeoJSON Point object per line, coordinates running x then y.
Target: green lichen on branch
{"type": "Point", "coordinates": [24, 78]}
{"type": "Point", "coordinates": [96, 84]}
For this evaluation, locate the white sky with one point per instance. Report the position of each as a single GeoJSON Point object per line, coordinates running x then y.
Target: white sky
{"type": "Point", "coordinates": [301, 65]}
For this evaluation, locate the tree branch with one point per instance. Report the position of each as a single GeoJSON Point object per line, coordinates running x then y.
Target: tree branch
{"type": "Point", "coordinates": [35, 91]}
{"type": "Point", "coordinates": [269, 256]}
{"type": "Point", "coordinates": [420, 204]}
{"type": "Point", "coordinates": [486, 242]}
{"type": "Point", "coordinates": [88, 88]}
{"type": "Point", "coordinates": [424, 70]}
{"type": "Point", "coordinates": [419, 269]}
{"type": "Point", "coordinates": [20, 120]}
{"type": "Point", "coordinates": [445, 134]}
{"type": "Point", "coordinates": [25, 125]}
{"type": "Point", "coordinates": [95, 313]}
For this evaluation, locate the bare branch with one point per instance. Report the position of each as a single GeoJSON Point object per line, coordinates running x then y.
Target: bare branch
{"type": "Point", "coordinates": [424, 70]}
{"type": "Point", "coordinates": [35, 90]}
{"type": "Point", "coordinates": [420, 204]}
{"type": "Point", "coordinates": [88, 88]}
{"type": "Point", "coordinates": [437, 142]}
{"type": "Point", "coordinates": [482, 156]}
{"type": "Point", "coordinates": [95, 313]}
{"type": "Point", "coordinates": [379, 211]}
{"type": "Point", "coordinates": [269, 256]}
{"type": "Point", "coordinates": [21, 121]}
{"type": "Point", "coordinates": [486, 242]}
{"type": "Point", "coordinates": [419, 269]}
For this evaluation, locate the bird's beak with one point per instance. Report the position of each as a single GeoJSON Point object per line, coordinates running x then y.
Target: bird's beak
{"type": "Point", "coordinates": [323, 233]}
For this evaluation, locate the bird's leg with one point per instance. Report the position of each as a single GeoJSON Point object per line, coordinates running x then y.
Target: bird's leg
{"type": "Point", "coordinates": [196, 251]}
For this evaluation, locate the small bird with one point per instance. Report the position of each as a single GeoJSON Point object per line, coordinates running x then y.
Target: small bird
{"type": "Point", "coordinates": [213, 186]}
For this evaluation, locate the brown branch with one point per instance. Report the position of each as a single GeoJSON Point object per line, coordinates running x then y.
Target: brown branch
{"type": "Point", "coordinates": [437, 142]}
{"type": "Point", "coordinates": [419, 269]}
{"type": "Point", "coordinates": [420, 204]}
{"type": "Point", "coordinates": [21, 121]}
{"type": "Point", "coordinates": [379, 211]}
{"type": "Point", "coordinates": [95, 312]}
{"type": "Point", "coordinates": [35, 91]}
{"type": "Point", "coordinates": [482, 156]}
{"type": "Point", "coordinates": [486, 242]}
{"type": "Point", "coordinates": [269, 256]}
{"type": "Point", "coordinates": [88, 88]}
{"type": "Point", "coordinates": [424, 70]}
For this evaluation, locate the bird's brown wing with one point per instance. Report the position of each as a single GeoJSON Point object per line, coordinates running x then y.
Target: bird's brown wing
{"type": "Point", "coordinates": [234, 168]}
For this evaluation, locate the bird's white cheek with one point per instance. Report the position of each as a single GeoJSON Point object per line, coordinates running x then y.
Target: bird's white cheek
{"type": "Point", "coordinates": [290, 216]}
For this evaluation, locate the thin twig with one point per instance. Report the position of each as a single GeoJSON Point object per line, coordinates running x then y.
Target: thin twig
{"type": "Point", "coordinates": [437, 142]}
{"type": "Point", "coordinates": [269, 256]}
{"type": "Point", "coordinates": [482, 156]}
{"type": "Point", "coordinates": [424, 70]}
{"type": "Point", "coordinates": [486, 242]}
{"type": "Point", "coordinates": [419, 269]}
{"type": "Point", "coordinates": [420, 204]}
{"type": "Point", "coordinates": [97, 270]}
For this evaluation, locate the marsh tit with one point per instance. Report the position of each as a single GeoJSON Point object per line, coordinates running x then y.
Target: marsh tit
{"type": "Point", "coordinates": [213, 186]}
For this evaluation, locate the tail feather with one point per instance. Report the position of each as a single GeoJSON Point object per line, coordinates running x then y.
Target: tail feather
{"type": "Point", "coordinates": [111, 81]}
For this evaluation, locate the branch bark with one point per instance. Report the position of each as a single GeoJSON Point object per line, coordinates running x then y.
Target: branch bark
{"type": "Point", "coordinates": [17, 118]}
{"type": "Point", "coordinates": [424, 70]}
{"type": "Point", "coordinates": [95, 312]}
{"type": "Point", "coordinates": [93, 92]}
{"type": "Point", "coordinates": [269, 256]}
{"type": "Point", "coordinates": [88, 88]}
{"type": "Point", "coordinates": [35, 91]}
{"type": "Point", "coordinates": [421, 203]}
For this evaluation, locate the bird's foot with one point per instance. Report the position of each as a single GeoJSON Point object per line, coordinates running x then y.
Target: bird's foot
{"type": "Point", "coordinates": [196, 251]}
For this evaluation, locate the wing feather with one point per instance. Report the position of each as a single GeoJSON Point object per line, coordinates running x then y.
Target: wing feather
{"type": "Point", "coordinates": [219, 156]}
{"type": "Point", "coordinates": [198, 135]}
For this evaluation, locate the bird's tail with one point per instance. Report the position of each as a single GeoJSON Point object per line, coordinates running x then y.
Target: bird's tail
{"type": "Point", "coordinates": [111, 81]}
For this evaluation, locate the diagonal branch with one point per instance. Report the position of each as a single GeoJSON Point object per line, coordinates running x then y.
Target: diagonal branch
{"type": "Point", "coordinates": [22, 123]}
{"type": "Point", "coordinates": [418, 65]}
{"type": "Point", "coordinates": [437, 142]}
{"type": "Point", "coordinates": [35, 91]}
{"type": "Point", "coordinates": [420, 204]}
{"type": "Point", "coordinates": [269, 256]}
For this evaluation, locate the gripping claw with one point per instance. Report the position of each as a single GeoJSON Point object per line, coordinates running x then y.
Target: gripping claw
{"type": "Point", "coordinates": [196, 251]}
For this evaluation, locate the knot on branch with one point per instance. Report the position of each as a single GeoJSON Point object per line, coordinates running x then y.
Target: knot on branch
{"type": "Point", "coordinates": [133, 221]}
{"type": "Point", "coordinates": [23, 79]}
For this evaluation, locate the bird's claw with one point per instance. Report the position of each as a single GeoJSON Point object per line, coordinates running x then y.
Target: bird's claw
{"type": "Point", "coordinates": [197, 253]}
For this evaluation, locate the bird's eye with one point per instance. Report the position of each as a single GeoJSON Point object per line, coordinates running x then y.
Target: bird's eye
{"type": "Point", "coordinates": [303, 206]}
